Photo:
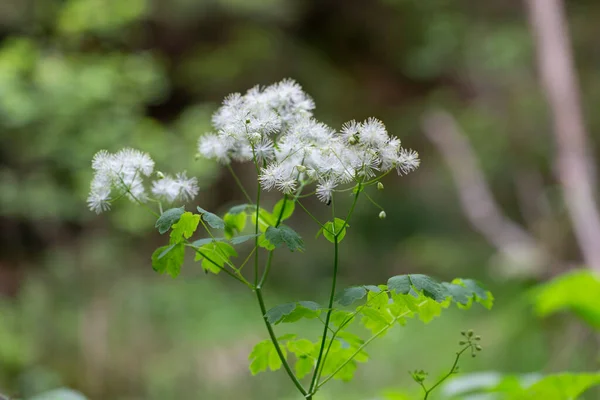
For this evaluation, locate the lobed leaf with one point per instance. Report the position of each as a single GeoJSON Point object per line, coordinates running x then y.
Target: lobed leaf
{"type": "Point", "coordinates": [284, 235]}
{"type": "Point", "coordinates": [211, 219]}
{"type": "Point", "coordinates": [168, 218]}
{"type": "Point", "coordinates": [292, 312]}
{"type": "Point", "coordinates": [169, 259]}
{"type": "Point", "coordinates": [234, 223]}
{"type": "Point", "coordinates": [350, 295]}
{"type": "Point", "coordinates": [263, 356]}
{"type": "Point", "coordinates": [185, 227]}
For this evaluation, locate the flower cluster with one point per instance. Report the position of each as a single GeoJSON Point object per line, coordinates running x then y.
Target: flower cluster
{"type": "Point", "coordinates": [275, 128]}
{"type": "Point", "coordinates": [123, 173]}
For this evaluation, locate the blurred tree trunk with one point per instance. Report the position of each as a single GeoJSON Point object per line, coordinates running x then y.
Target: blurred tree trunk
{"type": "Point", "coordinates": [574, 161]}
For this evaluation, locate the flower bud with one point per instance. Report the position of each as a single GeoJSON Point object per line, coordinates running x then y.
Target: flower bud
{"type": "Point", "coordinates": [353, 139]}
{"type": "Point", "coordinates": [478, 347]}
{"type": "Point", "coordinates": [160, 175]}
{"type": "Point", "coordinates": [382, 215]}
{"type": "Point", "coordinates": [470, 333]}
{"type": "Point", "coordinates": [379, 186]}
{"type": "Point", "coordinates": [301, 168]}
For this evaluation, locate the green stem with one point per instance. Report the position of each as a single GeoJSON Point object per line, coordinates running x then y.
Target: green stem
{"type": "Point", "coordinates": [236, 277]}
{"type": "Point", "coordinates": [258, 189]}
{"type": "Point", "coordinates": [328, 316]}
{"type": "Point", "coordinates": [365, 344]}
{"type": "Point", "coordinates": [320, 358]}
{"type": "Point", "coordinates": [452, 371]}
{"type": "Point", "coordinates": [342, 325]}
{"type": "Point", "coordinates": [286, 366]}
{"type": "Point", "coordinates": [239, 183]}
{"type": "Point", "coordinates": [310, 215]}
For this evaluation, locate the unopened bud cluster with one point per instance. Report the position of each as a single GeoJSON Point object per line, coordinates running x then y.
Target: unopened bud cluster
{"type": "Point", "coordinates": [471, 341]}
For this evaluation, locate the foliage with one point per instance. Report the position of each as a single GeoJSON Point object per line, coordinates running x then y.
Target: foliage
{"type": "Point", "coordinates": [576, 291]}
{"type": "Point", "coordinates": [561, 386]}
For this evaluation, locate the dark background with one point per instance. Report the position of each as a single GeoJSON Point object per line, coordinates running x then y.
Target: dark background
{"type": "Point", "coordinates": [79, 303]}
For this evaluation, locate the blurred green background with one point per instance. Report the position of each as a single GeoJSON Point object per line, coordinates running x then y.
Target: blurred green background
{"type": "Point", "coordinates": [79, 303]}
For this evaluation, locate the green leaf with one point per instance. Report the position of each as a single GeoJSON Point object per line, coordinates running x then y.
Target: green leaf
{"type": "Point", "coordinates": [576, 291]}
{"type": "Point", "coordinates": [265, 219]}
{"type": "Point", "coordinates": [240, 209]}
{"type": "Point", "coordinates": [218, 253]}
{"type": "Point", "coordinates": [563, 386]}
{"type": "Point", "coordinates": [276, 314]}
{"type": "Point", "coordinates": [259, 357]}
{"type": "Point", "coordinates": [330, 229]}
{"type": "Point", "coordinates": [375, 320]}
{"type": "Point", "coordinates": [264, 243]}
{"type": "Point", "coordinates": [400, 284]}
{"type": "Point", "coordinates": [292, 312]}
{"type": "Point", "coordinates": [339, 317]}
{"type": "Point", "coordinates": [459, 293]}
{"type": "Point", "coordinates": [263, 356]}
{"type": "Point", "coordinates": [168, 218]}
{"type": "Point", "coordinates": [185, 227]}
{"type": "Point", "coordinates": [430, 287]}
{"type": "Point", "coordinates": [478, 293]}
{"type": "Point", "coordinates": [234, 223]}
{"type": "Point", "coordinates": [202, 242]}
{"type": "Point", "coordinates": [284, 235]}
{"type": "Point", "coordinates": [350, 295]}
{"type": "Point", "coordinates": [242, 239]}
{"type": "Point", "coordinates": [286, 212]}
{"type": "Point", "coordinates": [300, 347]}
{"type": "Point", "coordinates": [304, 366]}
{"type": "Point", "coordinates": [211, 219]}
{"type": "Point", "coordinates": [169, 259]}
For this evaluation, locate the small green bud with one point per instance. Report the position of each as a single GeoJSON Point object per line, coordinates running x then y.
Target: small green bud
{"type": "Point", "coordinates": [382, 215]}
{"type": "Point", "coordinates": [160, 175]}
{"type": "Point", "coordinates": [301, 168]}
{"type": "Point", "coordinates": [470, 333]}
{"type": "Point", "coordinates": [353, 139]}
{"type": "Point", "coordinates": [197, 156]}
{"type": "Point", "coordinates": [473, 355]}
{"type": "Point", "coordinates": [462, 343]}
{"type": "Point", "coordinates": [477, 337]}
{"type": "Point", "coordinates": [463, 333]}
{"type": "Point", "coordinates": [379, 186]}
{"type": "Point", "coordinates": [478, 347]}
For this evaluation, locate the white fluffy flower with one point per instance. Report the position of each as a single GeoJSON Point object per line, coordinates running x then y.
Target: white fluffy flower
{"type": "Point", "coordinates": [325, 190]}
{"type": "Point", "coordinates": [123, 173]}
{"type": "Point", "coordinates": [408, 161]}
{"type": "Point", "coordinates": [275, 125]}
{"type": "Point", "coordinates": [179, 188]}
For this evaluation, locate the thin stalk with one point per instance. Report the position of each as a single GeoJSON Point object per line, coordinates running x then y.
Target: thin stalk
{"type": "Point", "coordinates": [310, 215]}
{"type": "Point", "coordinates": [320, 359]}
{"type": "Point", "coordinates": [365, 344]}
{"type": "Point", "coordinates": [239, 278]}
{"type": "Point", "coordinates": [342, 325]}
{"type": "Point", "coordinates": [328, 315]}
{"type": "Point", "coordinates": [452, 371]}
{"type": "Point", "coordinates": [239, 183]}
{"type": "Point", "coordinates": [258, 189]}
{"type": "Point", "coordinates": [286, 366]}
